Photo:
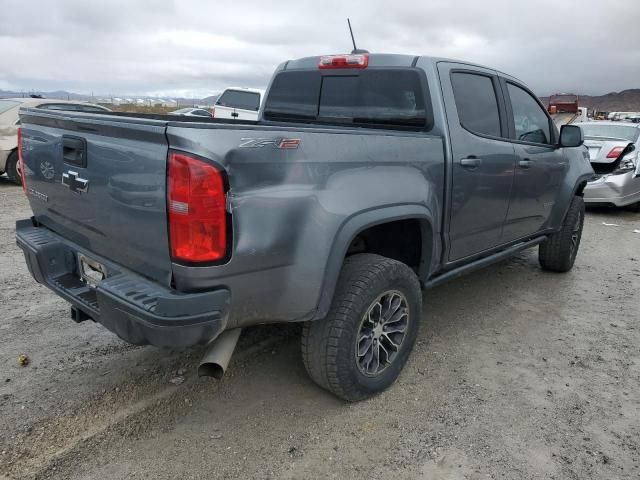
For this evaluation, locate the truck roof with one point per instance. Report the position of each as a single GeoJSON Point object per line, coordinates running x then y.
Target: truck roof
{"type": "Point", "coordinates": [387, 60]}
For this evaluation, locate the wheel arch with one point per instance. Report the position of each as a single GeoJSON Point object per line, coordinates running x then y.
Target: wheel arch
{"type": "Point", "coordinates": [362, 221]}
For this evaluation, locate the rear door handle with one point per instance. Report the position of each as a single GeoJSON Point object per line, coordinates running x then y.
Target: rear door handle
{"type": "Point", "coordinates": [526, 163]}
{"type": "Point", "coordinates": [471, 162]}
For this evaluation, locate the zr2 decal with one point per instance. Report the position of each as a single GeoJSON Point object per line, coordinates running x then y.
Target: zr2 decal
{"type": "Point", "coordinates": [282, 143]}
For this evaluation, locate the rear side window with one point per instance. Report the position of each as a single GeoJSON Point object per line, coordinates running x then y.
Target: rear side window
{"type": "Point", "coordinates": [372, 97]}
{"type": "Point", "coordinates": [240, 99]}
{"type": "Point", "coordinates": [476, 103]}
{"type": "Point", "coordinates": [6, 105]}
{"type": "Point", "coordinates": [529, 118]}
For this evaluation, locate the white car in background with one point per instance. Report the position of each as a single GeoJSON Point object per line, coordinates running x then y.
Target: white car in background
{"type": "Point", "coordinates": [239, 103]}
{"type": "Point", "coordinates": [9, 121]}
{"type": "Point", "coordinates": [614, 155]}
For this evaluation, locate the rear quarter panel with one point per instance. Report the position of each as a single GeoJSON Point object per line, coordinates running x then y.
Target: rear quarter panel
{"type": "Point", "coordinates": [295, 210]}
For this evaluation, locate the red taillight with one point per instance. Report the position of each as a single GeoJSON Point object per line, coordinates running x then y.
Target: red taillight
{"type": "Point", "coordinates": [196, 210]}
{"type": "Point", "coordinates": [213, 112]}
{"type": "Point", "coordinates": [615, 152]}
{"type": "Point", "coordinates": [343, 61]}
{"type": "Point", "coordinates": [21, 161]}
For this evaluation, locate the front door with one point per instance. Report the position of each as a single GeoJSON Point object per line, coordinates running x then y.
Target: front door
{"type": "Point", "coordinates": [540, 167]}
{"type": "Point", "coordinates": [483, 159]}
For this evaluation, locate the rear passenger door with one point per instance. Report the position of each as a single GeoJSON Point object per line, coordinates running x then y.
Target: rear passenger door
{"type": "Point", "coordinates": [540, 166]}
{"type": "Point", "coordinates": [483, 158]}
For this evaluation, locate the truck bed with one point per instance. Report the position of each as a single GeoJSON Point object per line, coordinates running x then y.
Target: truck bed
{"type": "Point", "coordinates": [288, 207]}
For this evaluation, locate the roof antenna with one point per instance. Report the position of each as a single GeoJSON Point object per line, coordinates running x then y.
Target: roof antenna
{"type": "Point", "coordinates": [353, 40]}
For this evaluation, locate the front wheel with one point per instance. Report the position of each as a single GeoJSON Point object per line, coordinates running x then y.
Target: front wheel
{"type": "Point", "coordinates": [558, 252]}
{"type": "Point", "coordinates": [362, 345]}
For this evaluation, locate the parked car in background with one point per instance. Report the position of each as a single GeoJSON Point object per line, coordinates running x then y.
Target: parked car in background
{"type": "Point", "coordinates": [621, 116]}
{"type": "Point", "coordinates": [192, 112]}
{"type": "Point", "coordinates": [9, 122]}
{"type": "Point", "coordinates": [238, 103]}
{"type": "Point", "coordinates": [613, 152]}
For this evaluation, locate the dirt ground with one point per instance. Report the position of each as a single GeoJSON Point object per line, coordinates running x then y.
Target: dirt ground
{"type": "Point", "coordinates": [517, 374]}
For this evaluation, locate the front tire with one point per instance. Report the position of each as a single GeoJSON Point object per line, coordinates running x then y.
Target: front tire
{"type": "Point", "coordinates": [558, 252]}
{"type": "Point", "coordinates": [12, 168]}
{"type": "Point", "coordinates": [362, 345]}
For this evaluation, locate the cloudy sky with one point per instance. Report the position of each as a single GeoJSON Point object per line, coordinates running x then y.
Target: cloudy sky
{"type": "Point", "coordinates": [196, 48]}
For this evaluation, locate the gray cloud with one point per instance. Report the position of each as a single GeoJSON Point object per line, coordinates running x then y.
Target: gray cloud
{"type": "Point", "coordinates": [198, 47]}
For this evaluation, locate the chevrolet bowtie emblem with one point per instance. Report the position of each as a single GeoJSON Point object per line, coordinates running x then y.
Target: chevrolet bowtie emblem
{"type": "Point", "coordinates": [75, 183]}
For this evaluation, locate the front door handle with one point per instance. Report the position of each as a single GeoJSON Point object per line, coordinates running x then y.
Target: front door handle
{"type": "Point", "coordinates": [471, 162]}
{"type": "Point", "coordinates": [525, 163]}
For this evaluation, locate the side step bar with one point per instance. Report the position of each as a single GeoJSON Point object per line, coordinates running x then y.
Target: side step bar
{"type": "Point", "coordinates": [482, 262]}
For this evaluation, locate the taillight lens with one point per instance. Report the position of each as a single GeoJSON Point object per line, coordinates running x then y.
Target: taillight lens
{"type": "Point", "coordinates": [615, 152]}
{"type": "Point", "coordinates": [213, 112]}
{"type": "Point", "coordinates": [196, 210]}
{"type": "Point", "coordinates": [343, 61]}
{"type": "Point", "coordinates": [21, 161]}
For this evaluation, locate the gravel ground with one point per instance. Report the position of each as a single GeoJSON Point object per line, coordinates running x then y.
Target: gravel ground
{"type": "Point", "coordinates": [517, 374]}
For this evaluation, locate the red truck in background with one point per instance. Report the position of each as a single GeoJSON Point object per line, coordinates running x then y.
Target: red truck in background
{"type": "Point", "coordinates": [563, 103]}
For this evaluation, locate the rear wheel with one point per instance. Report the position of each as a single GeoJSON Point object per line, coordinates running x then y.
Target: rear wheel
{"type": "Point", "coordinates": [362, 345]}
{"type": "Point", "coordinates": [12, 168]}
{"type": "Point", "coordinates": [558, 252]}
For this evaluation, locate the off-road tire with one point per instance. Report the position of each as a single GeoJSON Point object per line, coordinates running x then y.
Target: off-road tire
{"type": "Point", "coordinates": [329, 345]}
{"type": "Point", "coordinates": [12, 168]}
{"type": "Point", "coordinates": [558, 252]}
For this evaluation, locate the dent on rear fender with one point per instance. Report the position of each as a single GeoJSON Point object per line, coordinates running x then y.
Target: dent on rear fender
{"type": "Point", "coordinates": [288, 205]}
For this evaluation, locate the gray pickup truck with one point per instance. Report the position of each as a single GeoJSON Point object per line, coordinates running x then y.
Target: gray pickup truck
{"type": "Point", "coordinates": [367, 178]}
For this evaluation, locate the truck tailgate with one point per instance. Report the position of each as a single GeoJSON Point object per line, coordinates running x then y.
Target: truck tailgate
{"type": "Point", "coordinates": [100, 181]}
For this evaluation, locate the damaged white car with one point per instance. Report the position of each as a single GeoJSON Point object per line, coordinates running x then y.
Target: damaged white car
{"type": "Point", "coordinates": [613, 152]}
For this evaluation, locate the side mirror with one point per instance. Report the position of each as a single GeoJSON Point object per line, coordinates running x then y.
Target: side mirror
{"type": "Point", "coordinates": [571, 136]}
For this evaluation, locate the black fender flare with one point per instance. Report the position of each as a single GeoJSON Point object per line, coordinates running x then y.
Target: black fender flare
{"type": "Point", "coordinates": [361, 221]}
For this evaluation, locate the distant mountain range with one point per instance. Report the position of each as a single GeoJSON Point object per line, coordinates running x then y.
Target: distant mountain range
{"type": "Point", "coordinates": [624, 101]}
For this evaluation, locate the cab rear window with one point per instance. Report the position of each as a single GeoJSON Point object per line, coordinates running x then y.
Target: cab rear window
{"type": "Point", "coordinates": [372, 97]}
{"type": "Point", "coordinates": [239, 99]}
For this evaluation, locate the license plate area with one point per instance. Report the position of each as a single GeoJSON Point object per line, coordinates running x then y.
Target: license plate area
{"type": "Point", "coordinates": [91, 271]}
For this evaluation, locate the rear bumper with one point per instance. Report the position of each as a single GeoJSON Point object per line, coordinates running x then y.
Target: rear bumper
{"type": "Point", "coordinates": [138, 310]}
{"type": "Point", "coordinates": [619, 190]}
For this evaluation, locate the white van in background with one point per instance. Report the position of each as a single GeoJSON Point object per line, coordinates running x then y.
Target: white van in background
{"type": "Point", "coordinates": [238, 103]}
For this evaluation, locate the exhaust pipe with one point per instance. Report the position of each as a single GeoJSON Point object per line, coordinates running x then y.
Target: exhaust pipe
{"type": "Point", "coordinates": [215, 361]}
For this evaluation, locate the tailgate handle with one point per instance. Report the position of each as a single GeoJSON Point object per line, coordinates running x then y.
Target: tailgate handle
{"type": "Point", "coordinates": [74, 150]}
